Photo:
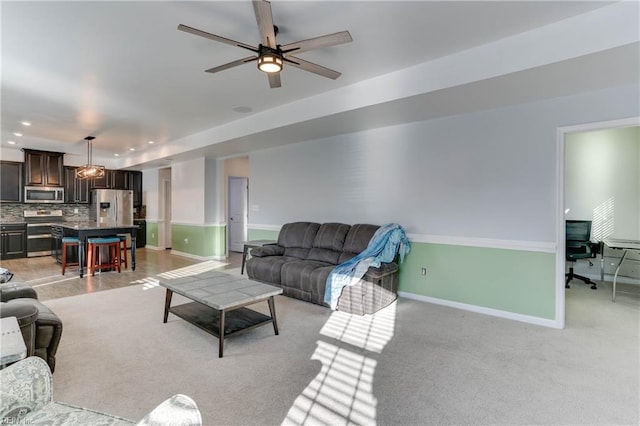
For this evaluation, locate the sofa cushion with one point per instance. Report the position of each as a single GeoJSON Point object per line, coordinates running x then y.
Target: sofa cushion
{"type": "Point", "coordinates": [298, 234]}
{"type": "Point", "coordinates": [297, 238]}
{"type": "Point", "coordinates": [308, 277]}
{"type": "Point", "coordinates": [357, 240]}
{"type": "Point", "coordinates": [328, 243]}
{"type": "Point", "coordinates": [298, 273]}
{"type": "Point", "coordinates": [268, 250]}
{"type": "Point", "coordinates": [267, 269]}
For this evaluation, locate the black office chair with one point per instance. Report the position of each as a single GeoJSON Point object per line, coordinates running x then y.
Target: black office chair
{"type": "Point", "coordinates": [579, 246]}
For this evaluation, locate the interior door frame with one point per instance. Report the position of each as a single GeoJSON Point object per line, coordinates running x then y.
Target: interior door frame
{"type": "Point", "coordinates": [166, 191]}
{"type": "Point", "coordinates": [561, 135]}
{"type": "Point", "coordinates": [245, 213]}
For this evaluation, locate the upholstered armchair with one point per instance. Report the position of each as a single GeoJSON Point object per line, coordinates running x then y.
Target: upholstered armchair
{"type": "Point", "coordinates": [26, 398]}
{"type": "Point", "coordinates": [41, 328]}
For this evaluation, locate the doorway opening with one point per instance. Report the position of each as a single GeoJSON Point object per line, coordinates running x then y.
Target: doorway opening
{"type": "Point", "coordinates": [238, 188]}
{"type": "Point", "coordinates": [570, 206]}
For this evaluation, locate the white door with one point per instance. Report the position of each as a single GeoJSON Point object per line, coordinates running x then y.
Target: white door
{"type": "Point", "coordinates": [238, 200]}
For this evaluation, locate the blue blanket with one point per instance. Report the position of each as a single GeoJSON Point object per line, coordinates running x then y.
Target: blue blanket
{"type": "Point", "coordinates": [388, 241]}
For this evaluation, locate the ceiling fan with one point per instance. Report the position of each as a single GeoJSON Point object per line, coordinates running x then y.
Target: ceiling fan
{"type": "Point", "coordinates": [271, 56]}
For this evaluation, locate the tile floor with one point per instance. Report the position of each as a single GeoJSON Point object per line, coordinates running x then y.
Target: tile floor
{"type": "Point", "coordinates": [45, 275]}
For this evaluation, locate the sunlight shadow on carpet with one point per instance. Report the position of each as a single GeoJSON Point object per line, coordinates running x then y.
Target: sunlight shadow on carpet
{"type": "Point", "coordinates": [342, 393]}
{"type": "Point", "coordinates": [198, 268]}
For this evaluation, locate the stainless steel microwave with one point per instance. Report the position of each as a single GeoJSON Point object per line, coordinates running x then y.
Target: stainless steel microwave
{"type": "Point", "coordinates": [43, 194]}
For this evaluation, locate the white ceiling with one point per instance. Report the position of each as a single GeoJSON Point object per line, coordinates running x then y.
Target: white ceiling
{"type": "Point", "coordinates": [122, 72]}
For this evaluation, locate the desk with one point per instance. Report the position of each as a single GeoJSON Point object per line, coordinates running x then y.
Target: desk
{"type": "Point", "coordinates": [250, 244]}
{"type": "Point", "coordinates": [84, 230]}
{"type": "Point", "coordinates": [626, 245]}
{"type": "Point", "coordinates": [13, 348]}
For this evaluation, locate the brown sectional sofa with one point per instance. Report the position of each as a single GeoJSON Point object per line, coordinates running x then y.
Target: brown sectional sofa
{"type": "Point", "coordinates": [307, 252]}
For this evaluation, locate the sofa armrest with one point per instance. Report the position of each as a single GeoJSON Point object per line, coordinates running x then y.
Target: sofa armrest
{"type": "Point", "coordinates": [268, 250]}
{"type": "Point", "coordinates": [381, 272]}
{"type": "Point", "coordinates": [9, 291]}
{"type": "Point", "coordinates": [177, 410]}
{"type": "Point", "coordinates": [25, 386]}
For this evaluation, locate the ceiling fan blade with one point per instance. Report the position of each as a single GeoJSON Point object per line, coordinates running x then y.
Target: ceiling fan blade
{"type": "Point", "coordinates": [311, 67]}
{"type": "Point", "coordinates": [214, 37]}
{"type": "Point", "coordinates": [232, 64]}
{"type": "Point", "coordinates": [274, 80]}
{"type": "Point", "coordinates": [318, 42]}
{"type": "Point", "coordinates": [264, 18]}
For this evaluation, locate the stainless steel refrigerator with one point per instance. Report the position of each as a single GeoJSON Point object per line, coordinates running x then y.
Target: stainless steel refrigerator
{"type": "Point", "coordinates": [111, 207]}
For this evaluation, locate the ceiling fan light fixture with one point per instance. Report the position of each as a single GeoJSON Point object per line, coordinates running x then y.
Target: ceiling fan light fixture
{"type": "Point", "coordinates": [270, 62]}
{"type": "Point", "coordinates": [89, 171]}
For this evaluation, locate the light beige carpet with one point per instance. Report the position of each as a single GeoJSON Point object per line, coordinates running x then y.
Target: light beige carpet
{"type": "Point", "coordinates": [412, 363]}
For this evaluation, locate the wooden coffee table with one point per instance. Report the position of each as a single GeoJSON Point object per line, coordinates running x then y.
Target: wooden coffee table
{"type": "Point", "coordinates": [219, 301]}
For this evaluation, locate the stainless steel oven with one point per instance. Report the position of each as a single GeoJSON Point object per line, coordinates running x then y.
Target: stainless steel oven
{"type": "Point", "coordinates": [40, 241]}
{"type": "Point", "coordinates": [43, 194]}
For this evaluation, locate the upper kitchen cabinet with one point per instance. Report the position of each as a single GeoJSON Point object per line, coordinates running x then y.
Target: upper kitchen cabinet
{"type": "Point", "coordinates": [113, 179]}
{"type": "Point", "coordinates": [120, 179]}
{"type": "Point", "coordinates": [103, 182]}
{"type": "Point", "coordinates": [10, 181]}
{"type": "Point", "coordinates": [43, 168]}
{"type": "Point", "coordinates": [75, 190]}
{"type": "Point", "coordinates": [136, 186]}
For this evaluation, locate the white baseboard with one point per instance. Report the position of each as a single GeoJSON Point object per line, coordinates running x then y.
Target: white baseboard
{"type": "Point", "coordinates": [196, 257]}
{"type": "Point", "coordinates": [482, 310]}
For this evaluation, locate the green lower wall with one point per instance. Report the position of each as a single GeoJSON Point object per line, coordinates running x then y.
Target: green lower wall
{"type": "Point", "coordinates": [152, 234]}
{"type": "Point", "coordinates": [516, 281]}
{"type": "Point", "coordinates": [205, 241]}
{"type": "Point", "coordinates": [259, 234]}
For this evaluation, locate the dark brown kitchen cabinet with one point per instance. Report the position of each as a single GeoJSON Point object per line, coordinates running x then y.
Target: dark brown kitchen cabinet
{"type": "Point", "coordinates": [112, 179]}
{"type": "Point", "coordinates": [11, 181]}
{"type": "Point", "coordinates": [13, 241]}
{"type": "Point", "coordinates": [102, 183]}
{"type": "Point", "coordinates": [43, 168]}
{"type": "Point", "coordinates": [120, 179]}
{"type": "Point", "coordinates": [136, 187]}
{"type": "Point", "coordinates": [75, 190]}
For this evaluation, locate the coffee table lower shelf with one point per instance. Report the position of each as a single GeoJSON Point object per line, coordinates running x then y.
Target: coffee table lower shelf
{"type": "Point", "coordinates": [208, 319]}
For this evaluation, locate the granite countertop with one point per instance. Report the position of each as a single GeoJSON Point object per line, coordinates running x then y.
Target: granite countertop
{"type": "Point", "coordinates": [13, 221]}
{"type": "Point", "coordinates": [91, 225]}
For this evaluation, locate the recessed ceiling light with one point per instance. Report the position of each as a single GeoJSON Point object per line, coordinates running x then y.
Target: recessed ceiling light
{"type": "Point", "coordinates": [25, 123]}
{"type": "Point", "coordinates": [11, 142]}
{"type": "Point", "coordinates": [132, 149]}
{"type": "Point", "coordinates": [151, 142]}
{"type": "Point", "coordinates": [116, 155]}
{"type": "Point", "coordinates": [17, 134]}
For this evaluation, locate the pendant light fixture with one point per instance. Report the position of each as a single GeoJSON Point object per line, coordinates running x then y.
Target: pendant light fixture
{"type": "Point", "coordinates": [89, 171]}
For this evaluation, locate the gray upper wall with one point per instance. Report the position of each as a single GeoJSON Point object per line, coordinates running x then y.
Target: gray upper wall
{"type": "Point", "coordinates": [490, 174]}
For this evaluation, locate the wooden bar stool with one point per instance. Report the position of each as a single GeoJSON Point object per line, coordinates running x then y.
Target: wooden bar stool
{"type": "Point", "coordinates": [68, 242]}
{"type": "Point", "coordinates": [94, 258]}
{"type": "Point", "coordinates": [123, 249]}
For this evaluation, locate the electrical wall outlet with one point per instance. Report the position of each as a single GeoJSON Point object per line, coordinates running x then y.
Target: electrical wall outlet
{"type": "Point", "coordinates": [186, 241]}
{"type": "Point", "coordinates": [423, 271]}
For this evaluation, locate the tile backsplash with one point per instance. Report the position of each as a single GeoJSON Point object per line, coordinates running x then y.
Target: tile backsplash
{"type": "Point", "coordinates": [14, 212]}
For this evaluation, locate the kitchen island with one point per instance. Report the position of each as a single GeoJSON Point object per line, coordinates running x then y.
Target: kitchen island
{"type": "Point", "coordinates": [84, 230]}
